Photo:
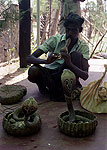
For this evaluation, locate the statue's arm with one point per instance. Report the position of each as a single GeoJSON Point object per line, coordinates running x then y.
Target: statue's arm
{"type": "Point", "coordinates": [82, 73]}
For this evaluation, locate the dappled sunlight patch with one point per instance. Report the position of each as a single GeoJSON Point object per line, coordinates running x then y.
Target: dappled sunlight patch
{"type": "Point", "coordinates": [12, 73]}
{"type": "Point", "coordinates": [8, 69]}
{"type": "Point", "coordinates": [18, 78]}
{"type": "Point", "coordinates": [97, 65]}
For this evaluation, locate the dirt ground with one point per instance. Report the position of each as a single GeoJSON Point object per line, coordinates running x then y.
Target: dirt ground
{"type": "Point", "coordinates": [12, 73]}
{"type": "Point", "coordinates": [49, 136]}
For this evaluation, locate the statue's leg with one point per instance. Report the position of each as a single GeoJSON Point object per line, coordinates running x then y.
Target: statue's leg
{"type": "Point", "coordinates": [56, 91]}
{"type": "Point", "coordinates": [46, 79]}
{"type": "Point", "coordinates": [36, 75]}
{"type": "Point", "coordinates": [77, 56]}
{"type": "Point", "coordinates": [33, 74]}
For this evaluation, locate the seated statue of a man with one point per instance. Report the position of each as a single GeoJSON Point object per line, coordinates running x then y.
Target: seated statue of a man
{"type": "Point", "coordinates": [48, 76]}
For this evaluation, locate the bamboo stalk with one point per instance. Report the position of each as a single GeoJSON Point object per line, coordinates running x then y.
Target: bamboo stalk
{"type": "Point", "coordinates": [97, 44]}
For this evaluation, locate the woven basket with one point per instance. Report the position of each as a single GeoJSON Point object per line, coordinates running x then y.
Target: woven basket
{"type": "Point", "coordinates": [77, 129]}
{"type": "Point", "coordinates": [18, 128]}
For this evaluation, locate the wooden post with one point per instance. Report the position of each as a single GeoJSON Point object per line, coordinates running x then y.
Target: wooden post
{"type": "Point", "coordinates": [38, 22]}
{"type": "Point", "coordinates": [24, 32]}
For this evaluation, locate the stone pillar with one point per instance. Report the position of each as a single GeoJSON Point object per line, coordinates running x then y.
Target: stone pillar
{"type": "Point", "coordinates": [24, 32]}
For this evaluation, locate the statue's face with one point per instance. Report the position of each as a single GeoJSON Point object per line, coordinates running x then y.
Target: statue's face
{"type": "Point", "coordinates": [68, 81]}
{"type": "Point", "coordinates": [29, 106]}
{"type": "Point", "coordinates": [72, 32]}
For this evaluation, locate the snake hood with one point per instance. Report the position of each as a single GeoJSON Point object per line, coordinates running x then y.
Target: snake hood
{"type": "Point", "coordinates": [29, 106]}
{"type": "Point", "coordinates": [68, 79]}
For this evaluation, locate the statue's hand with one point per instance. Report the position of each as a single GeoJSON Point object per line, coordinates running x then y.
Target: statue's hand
{"type": "Point", "coordinates": [67, 58]}
{"type": "Point", "coordinates": [64, 53]}
{"type": "Point", "coordinates": [52, 57]}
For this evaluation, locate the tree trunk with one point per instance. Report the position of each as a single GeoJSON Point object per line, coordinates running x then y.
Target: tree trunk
{"type": "Point", "coordinates": [67, 7]}
{"type": "Point", "coordinates": [54, 22]}
{"type": "Point", "coordinates": [43, 38]}
{"type": "Point", "coordinates": [89, 29]}
{"type": "Point", "coordinates": [24, 32]}
{"type": "Point", "coordinates": [50, 10]}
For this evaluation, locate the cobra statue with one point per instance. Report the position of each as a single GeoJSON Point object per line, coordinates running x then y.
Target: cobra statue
{"type": "Point", "coordinates": [68, 82]}
{"type": "Point", "coordinates": [24, 120]}
{"type": "Point", "coordinates": [75, 123]}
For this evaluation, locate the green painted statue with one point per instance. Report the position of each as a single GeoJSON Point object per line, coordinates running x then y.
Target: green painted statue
{"type": "Point", "coordinates": [24, 120]}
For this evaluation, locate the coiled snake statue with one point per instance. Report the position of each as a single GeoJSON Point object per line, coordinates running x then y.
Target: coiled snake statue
{"type": "Point", "coordinates": [24, 120]}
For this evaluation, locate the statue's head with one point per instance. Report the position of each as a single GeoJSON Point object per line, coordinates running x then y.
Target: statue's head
{"type": "Point", "coordinates": [78, 0]}
{"type": "Point", "coordinates": [68, 80]}
{"type": "Point", "coordinates": [29, 106]}
{"type": "Point", "coordinates": [73, 25]}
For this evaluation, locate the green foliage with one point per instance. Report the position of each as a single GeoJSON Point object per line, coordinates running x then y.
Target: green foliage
{"type": "Point", "coordinates": [33, 44]}
{"type": "Point", "coordinates": [9, 14]}
{"type": "Point", "coordinates": [12, 49]}
{"type": "Point", "coordinates": [97, 17]}
{"type": "Point", "coordinates": [33, 47]}
{"type": "Point", "coordinates": [44, 6]}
